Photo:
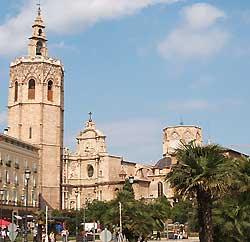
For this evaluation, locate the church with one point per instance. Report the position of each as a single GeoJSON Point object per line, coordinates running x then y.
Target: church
{"type": "Point", "coordinates": [92, 173]}
{"type": "Point", "coordinates": [36, 169]}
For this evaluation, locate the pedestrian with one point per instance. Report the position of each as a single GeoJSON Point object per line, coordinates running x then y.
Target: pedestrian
{"type": "Point", "coordinates": [43, 236]}
{"type": "Point", "coordinates": [4, 234]}
{"type": "Point", "coordinates": [52, 236]}
{"type": "Point", "coordinates": [65, 234]}
{"type": "Point", "coordinates": [34, 232]}
{"type": "Point", "coordinates": [158, 235]}
{"type": "Point", "coordinates": [175, 235]}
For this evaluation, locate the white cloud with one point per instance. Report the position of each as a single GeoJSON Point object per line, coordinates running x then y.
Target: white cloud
{"type": "Point", "coordinates": [201, 15]}
{"type": "Point", "coordinates": [3, 118]}
{"type": "Point", "coordinates": [136, 140]}
{"type": "Point", "coordinates": [62, 45]}
{"type": "Point", "coordinates": [198, 36]}
{"type": "Point", "coordinates": [65, 16]}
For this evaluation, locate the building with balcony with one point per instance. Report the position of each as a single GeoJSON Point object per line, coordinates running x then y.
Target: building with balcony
{"type": "Point", "coordinates": [16, 157]}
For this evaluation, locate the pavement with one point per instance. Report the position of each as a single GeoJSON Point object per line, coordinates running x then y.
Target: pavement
{"type": "Point", "coordinates": [190, 239]}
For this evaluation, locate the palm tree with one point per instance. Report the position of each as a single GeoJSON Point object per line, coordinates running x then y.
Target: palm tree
{"type": "Point", "coordinates": [232, 211]}
{"type": "Point", "coordinates": [203, 172]}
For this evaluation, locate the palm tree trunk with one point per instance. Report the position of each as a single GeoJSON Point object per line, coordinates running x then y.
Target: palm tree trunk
{"type": "Point", "coordinates": [200, 218]}
{"type": "Point", "coordinates": [205, 216]}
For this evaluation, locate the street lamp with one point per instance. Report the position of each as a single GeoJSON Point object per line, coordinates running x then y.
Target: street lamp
{"type": "Point", "coordinates": [120, 215]}
{"type": "Point", "coordinates": [27, 177]}
{"type": "Point", "coordinates": [76, 194]}
{"type": "Point", "coordinates": [131, 179]}
{"type": "Point", "coordinates": [1, 215]}
{"type": "Point", "coordinates": [84, 218]}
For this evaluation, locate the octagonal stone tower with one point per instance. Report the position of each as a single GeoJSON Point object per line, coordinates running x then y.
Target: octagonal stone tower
{"type": "Point", "coordinates": [36, 107]}
{"type": "Point", "coordinates": [172, 137]}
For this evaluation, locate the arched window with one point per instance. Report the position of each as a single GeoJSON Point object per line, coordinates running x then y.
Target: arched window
{"type": "Point", "coordinates": [16, 92]}
{"type": "Point", "coordinates": [32, 88]}
{"type": "Point", "coordinates": [160, 189]}
{"type": "Point", "coordinates": [90, 170]}
{"type": "Point", "coordinates": [39, 46]}
{"type": "Point", "coordinates": [40, 32]}
{"type": "Point", "coordinates": [50, 91]}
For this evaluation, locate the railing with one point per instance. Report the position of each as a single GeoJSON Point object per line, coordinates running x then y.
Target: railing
{"type": "Point", "coordinates": [8, 163]}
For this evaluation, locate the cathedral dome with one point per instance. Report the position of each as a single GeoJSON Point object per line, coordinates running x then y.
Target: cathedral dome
{"type": "Point", "coordinates": [163, 163]}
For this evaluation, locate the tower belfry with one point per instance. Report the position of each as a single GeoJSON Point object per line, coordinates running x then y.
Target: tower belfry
{"type": "Point", "coordinates": [36, 109]}
{"type": "Point", "coordinates": [37, 43]}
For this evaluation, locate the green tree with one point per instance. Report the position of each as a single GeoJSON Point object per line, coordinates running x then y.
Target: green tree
{"type": "Point", "coordinates": [232, 211]}
{"type": "Point", "coordinates": [160, 211]}
{"type": "Point", "coordinates": [139, 218]}
{"type": "Point", "coordinates": [181, 211]}
{"type": "Point", "coordinates": [203, 172]}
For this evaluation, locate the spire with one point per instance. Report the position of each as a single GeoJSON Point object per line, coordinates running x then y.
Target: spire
{"type": "Point", "coordinates": [39, 8]}
{"type": "Point", "coordinates": [37, 44]}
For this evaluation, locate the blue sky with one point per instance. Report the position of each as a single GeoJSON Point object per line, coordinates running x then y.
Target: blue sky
{"type": "Point", "coordinates": [140, 66]}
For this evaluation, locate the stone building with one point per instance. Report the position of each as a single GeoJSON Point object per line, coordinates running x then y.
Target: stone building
{"type": "Point", "coordinates": [15, 157]}
{"type": "Point", "coordinates": [66, 179]}
{"type": "Point", "coordinates": [91, 173]}
{"type": "Point", "coordinates": [35, 109]}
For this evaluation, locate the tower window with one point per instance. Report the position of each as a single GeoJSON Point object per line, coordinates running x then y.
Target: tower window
{"type": "Point", "coordinates": [40, 32]}
{"type": "Point", "coordinates": [30, 133]}
{"type": "Point", "coordinates": [16, 91]}
{"type": "Point", "coordinates": [50, 91]}
{"type": "Point", "coordinates": [160, 189]}
{"type": "Point", "coordinates": [32, 88]}
{"type": "Point", "coordinates": [39, 46]}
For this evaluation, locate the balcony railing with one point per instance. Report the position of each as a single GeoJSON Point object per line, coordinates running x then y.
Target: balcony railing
{"type": "Point", "coordinates": [8, 163]}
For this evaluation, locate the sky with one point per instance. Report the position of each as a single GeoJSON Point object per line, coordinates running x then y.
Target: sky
{"type": "Point", "coordinates": [140, 66]}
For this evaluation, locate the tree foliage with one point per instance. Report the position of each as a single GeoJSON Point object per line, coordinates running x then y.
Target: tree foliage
{"type": "Point", "coordinates": [232, 211]}
{"type": "Point", "coordinates": [202, 172]}
{"type": "Point", "coordinates": [139, 218]}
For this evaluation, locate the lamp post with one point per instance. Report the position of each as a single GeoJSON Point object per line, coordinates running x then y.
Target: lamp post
{"type": "Point", "coordinates": [84, 219]}
{"type": "Point", "coordinates": [76, 194]}
{"type": "Point", "coordinates": [27, 177]}
{"type": "Point", "coordinates": [120, 213]}
{"type": "Point", "coordinates": [1, 215]}
{"type": "Point", "coordinates": [131, 179]}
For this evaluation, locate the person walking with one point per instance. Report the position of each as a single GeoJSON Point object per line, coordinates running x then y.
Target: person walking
{"type": "Point", "coordinates": [65, 234]}
{"type": "Point", "coordinates": [52, 236]}
{"type": "Point", "coordinates": [158, 235]}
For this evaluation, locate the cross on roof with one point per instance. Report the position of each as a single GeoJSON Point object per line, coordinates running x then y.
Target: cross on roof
{"type": "Point", "coordinates": [90, 116]}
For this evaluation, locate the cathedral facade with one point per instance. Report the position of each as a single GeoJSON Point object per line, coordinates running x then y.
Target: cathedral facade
{"type": "Point", "coordinates": [91, 173]}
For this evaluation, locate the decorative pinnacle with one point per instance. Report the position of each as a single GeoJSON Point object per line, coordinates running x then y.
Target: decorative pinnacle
{"type": "Point", "coordinates": [39, 8]}
{"type": "Point", "coordinates": [90, 116]}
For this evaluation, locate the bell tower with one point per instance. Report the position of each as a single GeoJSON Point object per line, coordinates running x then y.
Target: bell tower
{"type": "Point", "coordinates": [36, 109]}
{"type": "Point", "coordinates": [37, 44]}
